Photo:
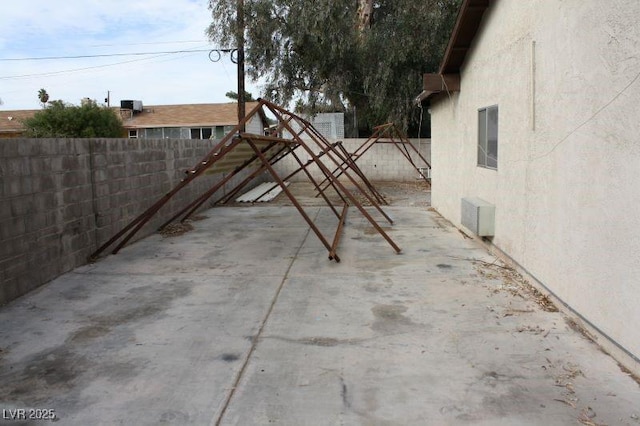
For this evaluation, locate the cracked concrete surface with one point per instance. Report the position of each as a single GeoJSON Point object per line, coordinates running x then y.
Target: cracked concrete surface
{"type": "Point", "coordinates": [244, 321]}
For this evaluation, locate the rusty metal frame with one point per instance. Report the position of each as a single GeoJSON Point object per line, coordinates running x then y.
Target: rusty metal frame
{"type": "Point", "coordinates": [331, 153]}
{"type": "Point", "coordinates": [197, 203]}
{"type": "Point", "coordinates": [326, 147]}
{"type": "Point", "coordinates": [262, 152]}
{"type": "Point", "coordinates": [386, 133]}
{"type": "Point", "coordinates": [352, 165]}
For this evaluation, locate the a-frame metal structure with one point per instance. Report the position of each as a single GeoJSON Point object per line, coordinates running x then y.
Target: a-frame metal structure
{"type": "Point", "coordinates": [239, 150]}
{"type": "Point", "coordinates": [386, 133]}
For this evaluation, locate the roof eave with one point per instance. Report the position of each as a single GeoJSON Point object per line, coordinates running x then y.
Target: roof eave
{"type": "Point", "coordinates": [461, 40]}
{"type": "Point", "coordinates": [463, 34]}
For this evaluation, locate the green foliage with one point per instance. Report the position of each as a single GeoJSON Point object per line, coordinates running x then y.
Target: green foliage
{"type": "Point", "coordinates": [43, 97]}
{"type": "Point", "coordinates": [315, 51]}
{"type": "Point", "coordinates": [62, 120]}
{"type": "Point", "coordinates": [248, 97]}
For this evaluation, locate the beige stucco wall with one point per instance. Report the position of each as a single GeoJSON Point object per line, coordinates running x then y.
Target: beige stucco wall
{"type": "Point", "coordinates": [567, 188]}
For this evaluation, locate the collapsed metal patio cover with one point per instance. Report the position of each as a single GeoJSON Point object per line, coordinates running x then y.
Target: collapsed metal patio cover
{"type": "Point", "coordinates": [239, 150]}
{"type": "Point", "coordinates": [386, 134]}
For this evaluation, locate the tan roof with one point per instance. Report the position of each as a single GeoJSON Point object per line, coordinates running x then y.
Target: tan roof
{"type": "Point", "coordinates": [11, 121]}
{"type": "Point", "coordinates": [189, 115]}
{"type": "Point", "coordinates": [186, 115]}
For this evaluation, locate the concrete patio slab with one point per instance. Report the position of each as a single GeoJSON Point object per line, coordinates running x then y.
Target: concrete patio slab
{"type": "Point", "coordinates": [244, 321]}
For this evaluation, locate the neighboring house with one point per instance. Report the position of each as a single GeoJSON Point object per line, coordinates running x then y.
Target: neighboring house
{"type": "Point", "coordinates": [11, 122]}
{"type": "Point", "coordinates": [190, 121]}
{"type": "Point", "coordinates": [535, 111]}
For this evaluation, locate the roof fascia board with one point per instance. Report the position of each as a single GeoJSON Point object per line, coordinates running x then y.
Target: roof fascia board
{"type": "Point", "coordinates": [461, 41]}
{"type": "Point", "coordinates": [467, 23]}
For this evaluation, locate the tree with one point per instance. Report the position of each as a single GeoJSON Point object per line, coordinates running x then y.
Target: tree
{"type": "Point", "coordinates": [62, 120]}
{"type": "Point", "coordinates": [43, 96]}
{"type": "Point", "coordinates": [248, 97]}
{"type": "Point", "coordinates": [320, 52]}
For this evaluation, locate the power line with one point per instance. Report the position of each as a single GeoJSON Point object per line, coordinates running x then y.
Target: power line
{"type": "Point", "coordinates": [146, 43]}
{"type": "Point", "coordinates": [46, 58]}
{"type": "Point", "coordinates": [185, 53]}
{"type": "Point", "coordinates": [50, 73]}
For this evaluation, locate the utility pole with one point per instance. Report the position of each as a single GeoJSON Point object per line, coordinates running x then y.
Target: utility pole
{"type": "Point", "coordinates": [240, 39]}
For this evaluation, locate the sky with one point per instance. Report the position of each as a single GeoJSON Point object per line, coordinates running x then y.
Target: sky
{"type": "Point", "coordinates": [63, 28]}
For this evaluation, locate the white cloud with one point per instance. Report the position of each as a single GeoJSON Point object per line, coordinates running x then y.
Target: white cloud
{"type": "Point", "coordinates": [36, 28]}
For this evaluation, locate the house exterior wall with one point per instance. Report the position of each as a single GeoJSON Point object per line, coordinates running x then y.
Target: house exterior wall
{"type": "Point", "coordinates": [564, 75]}
{"type": "Point", "coordinates": [254, 125]}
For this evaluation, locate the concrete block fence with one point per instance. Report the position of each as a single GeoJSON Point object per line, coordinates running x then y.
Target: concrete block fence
{"type": "Point", "coordinates": [60, 199]}
{"type": "Point", "coordinates": [382, 162]}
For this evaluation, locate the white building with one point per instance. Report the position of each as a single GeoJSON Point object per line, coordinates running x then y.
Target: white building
{"type": "Point", "coordinates": [535, 110]}
{"type": "Point", "coordinates": [328, 124]}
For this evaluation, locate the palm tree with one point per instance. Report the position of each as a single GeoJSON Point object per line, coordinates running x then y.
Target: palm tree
{"type": "Point", "coordinates": [43, 96]}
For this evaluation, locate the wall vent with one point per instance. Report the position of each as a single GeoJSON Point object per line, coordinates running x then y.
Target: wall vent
{"type": "Point", "coordinates": [478, 216]}
{"type": "Point", "coordinates": [424, 171]}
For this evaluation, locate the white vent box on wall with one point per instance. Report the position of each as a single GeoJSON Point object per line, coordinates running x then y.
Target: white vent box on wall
{"type": "Point", "coordinates": [478, 216]}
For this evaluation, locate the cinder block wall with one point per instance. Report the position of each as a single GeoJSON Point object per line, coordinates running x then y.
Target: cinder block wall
{"type": "Point", "coordinates": [382, 162]}
{"type": "Point", "coordinates": [62, 198]}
